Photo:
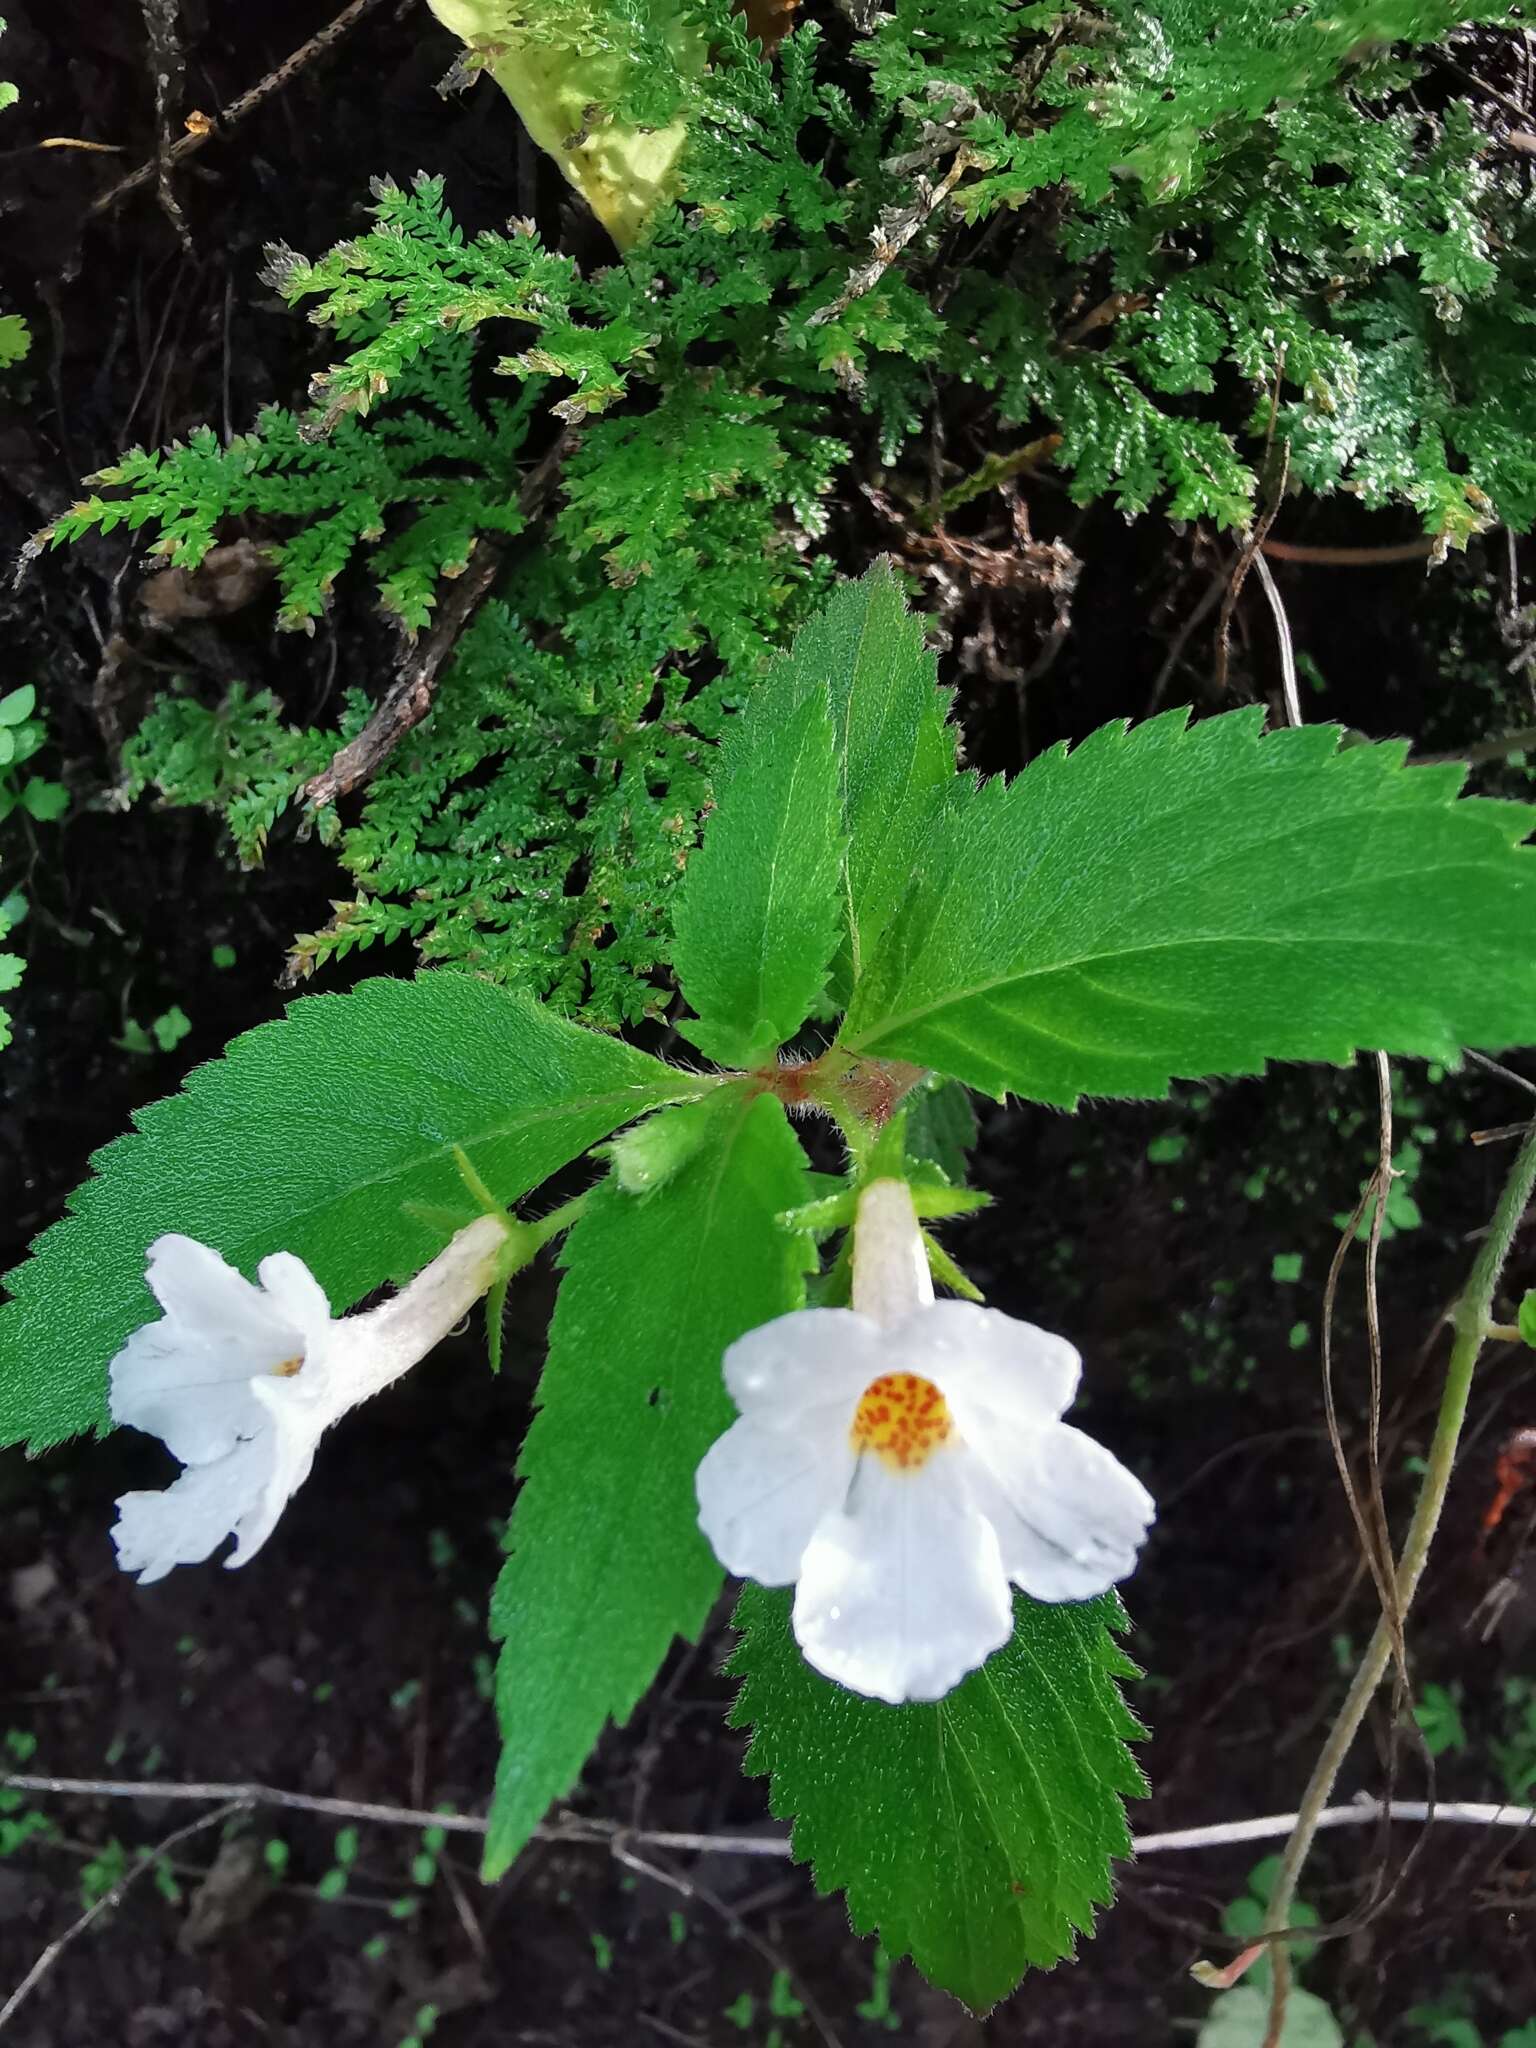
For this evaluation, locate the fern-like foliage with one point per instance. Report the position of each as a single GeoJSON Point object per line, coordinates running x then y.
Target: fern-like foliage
{"type": "Point", "coordinates": [450, 464]}
{"type": "Point", "coordinates": [1156, 242]}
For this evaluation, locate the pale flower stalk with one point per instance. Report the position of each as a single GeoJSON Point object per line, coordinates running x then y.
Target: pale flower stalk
{"type": "Point", "coordinates": [902, 1464]}
{"type": "Point", "coordinates": [242, 1380]}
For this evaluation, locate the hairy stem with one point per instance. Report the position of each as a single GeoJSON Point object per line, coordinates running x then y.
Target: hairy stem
{"type": "Point", "coordinates": [1470, 1322]}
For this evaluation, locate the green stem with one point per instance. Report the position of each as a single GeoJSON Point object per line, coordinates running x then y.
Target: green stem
{"type": "Point", "coordinates": [546, 1227]}
{"type": "Point", "coordinates": [997, 469]}
{"type": "Point", "coordinates": [1470, 1321]}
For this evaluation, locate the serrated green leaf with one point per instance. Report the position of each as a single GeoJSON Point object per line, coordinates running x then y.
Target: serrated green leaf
{"type": "Point", "coordinates": [976, 1834]}
{"type": "Point", "coordinates": [757, 913]}
{"type": "Point", "coordinates": [317, 1135]}
{"type": "Point", "coordinates": [1171, 901]}
{"type": "Point", "coordinates": [941, 1127]}
{"type": "Point", "coordinates": [608, 1563]}
{"type": "Point", "coordinates": [896, 755]}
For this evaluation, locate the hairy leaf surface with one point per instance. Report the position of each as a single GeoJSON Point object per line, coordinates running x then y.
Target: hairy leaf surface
{"type": "Point", "coordinates": [316, 1135]}
{"type": "Point", "coordinates": [797, 830]}
{"type": "Point", "coordinates": [896, 756]}
{"type": "Point", "coordinates": [1181, 901]}
{"type": "Point", "coordinates": [607, 1562]}
{"type": "Point", "coordinates": [975, 1834]}
{"type": "Point", "coordinates": [757, 913]}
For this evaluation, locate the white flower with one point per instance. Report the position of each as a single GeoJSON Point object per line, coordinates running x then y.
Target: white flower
{"type": "Point", "coordinates": [900, 1462]}
{"type": "Point", "coordinates": [241, 1381]}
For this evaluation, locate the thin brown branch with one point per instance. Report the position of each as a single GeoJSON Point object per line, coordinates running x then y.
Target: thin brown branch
{"type": "Point", "coordinates": [1350, 558]}
{"type": "Point", "coordinates": [409, 697]}
{"type": "Point", "coordinates": [1288, 686]}
{"type": "Point", "coordinates": [201, 129]}
{"type": "Point", "coordinates": [1248, 555]}
{"type": "Point", "coordinates": [1520, 742]}
{"type": "Point", "coordinates": [691, 1889]}
{"type": "Point", "coordinates": [107, 1901]}
{"type": "Point", "coordinates": [1365, 1808]}
{"type": "Point", "coordinates": [995, 471]}
{"type": "Point", "coordinates": [897, 226]}
{"type": "Point", "coordinates": [1470, 1319]}
{"type": "Point", "coordinates": [1105, 314]}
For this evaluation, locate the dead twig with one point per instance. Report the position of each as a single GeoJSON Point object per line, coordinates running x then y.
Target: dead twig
{"type": "Point", "coordinates": [108, 1900]}
{"type": "Point", "coordinates": [1350, 558]}
{"type": "Point", "coordinates": [1209, 600]}
{"type": "Point", "coordinates": [898, 225]}
{"type": "Point", "coordinates": [1283, 634]}
{"type": "Point", "coordinates": [689, 1888]}
{"type": "Point", "coordinates": [409, 697]}
{"type": "Point", "coordinates": [1484, 750]}
{"type": "Point", "coordinates": [1248, 556]}
{"type": "Point", "coordinates": [1360, 1812]}
{"type": "Point", "coordinates": [1105, 314]}
{"type": "Point", "coordinates": [168, 70]}
{"type": "Point", "coordinates": [201, 128]}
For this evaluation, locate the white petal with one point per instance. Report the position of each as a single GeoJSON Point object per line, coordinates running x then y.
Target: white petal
{"type": "Point", "coordinates": [763, 1491]}
{"type": "Point", "coordinates": [296, 1421]}
{"type": "Point", "coordinates": [903, 1592]}
{"type": "Point", "coordinates": [985, 1364]}
{"type": "Point", "coordinates": [1069, 1517]}
{"type": "Point", "coordinates": [295, 1292]}
{"type": "Point", "coordinates": [204, 1295]}
{"type": "Point", "coordinates": [813, 1358]}
{"type": "Point", "coordinates": [187, 1377]}
{"type": "Point", "coordinates": [154, 1387]}
{"type": "Point", "coordinates": [189, 1520]}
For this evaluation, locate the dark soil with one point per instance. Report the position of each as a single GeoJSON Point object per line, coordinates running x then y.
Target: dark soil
{"type": "Point", "coordinates": [349, 1660]}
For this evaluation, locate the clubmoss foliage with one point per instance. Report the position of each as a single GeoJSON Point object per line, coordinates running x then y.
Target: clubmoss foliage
{"type": "Point", "coordinates": [1160, 247]}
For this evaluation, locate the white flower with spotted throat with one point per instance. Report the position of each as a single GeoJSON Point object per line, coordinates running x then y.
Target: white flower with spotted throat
{"type": "Point", "coordinates": [900, 1462]}
{"type": "Point", "coordinates": [242, 1380]}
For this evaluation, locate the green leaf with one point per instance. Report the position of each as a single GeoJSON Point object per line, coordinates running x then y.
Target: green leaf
{"type": "Point", "coordinates": [1188, 901]}
{"type": "Point", "coordinates": [974, 1834]}
{"type": "Point", "coordinates": [316, 1135]}
{"type": "Point", "coordinates": [1528, 1316]}
{"type": "Point", "coordinates": [758, 910]}
{"type": "Point", "coordinates": [45, 801]}
{"type": "Point", "coordinates": [896, 755]}
{"type": "Point", "coordinates": [15, 334]}
{"type": "Point", "coordinates": [17, 706]}
{"type": "Point", "coordinates": [170, 1028]}
{"type": "Point", "coordinates": [607, 1562]}
{"type": "Point", "coordinates": [941, 1127]}
{"type": "Point", "coordinates": [1239, 2019]}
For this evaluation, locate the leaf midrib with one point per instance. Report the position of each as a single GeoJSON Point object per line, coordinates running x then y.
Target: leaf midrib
{"type": "Point", "coordinates": [954, 998]}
